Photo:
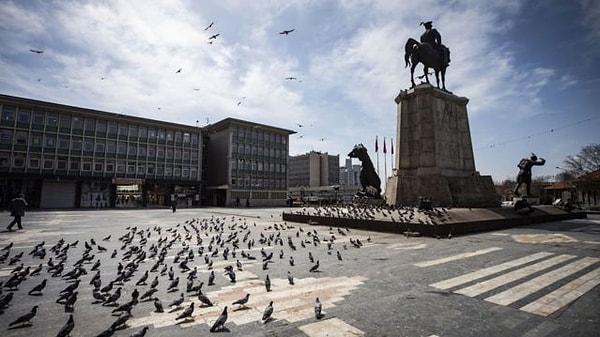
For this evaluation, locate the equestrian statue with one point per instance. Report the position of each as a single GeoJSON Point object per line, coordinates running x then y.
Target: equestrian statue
{"type": "Point", "coordinates": [369, 180]}
{"type": "Point", "coordinates": [431, 52]}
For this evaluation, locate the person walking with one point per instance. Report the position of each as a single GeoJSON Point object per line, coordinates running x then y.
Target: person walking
{"type": "Point", "coordinates": [17, 210]}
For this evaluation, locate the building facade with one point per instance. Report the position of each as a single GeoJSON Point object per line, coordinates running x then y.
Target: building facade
{"type": "Point", "coordinates": [350, 174]}
{"type": "Point", "coordinates": [247, 164]}
{"type": "Point", "coordinates": [62, 156]}
{"type": "Point", "coordinates": [314, 169]}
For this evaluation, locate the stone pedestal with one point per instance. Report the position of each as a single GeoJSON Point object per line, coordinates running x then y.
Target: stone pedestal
{"type": "Point", "coordinates": [435, 156]}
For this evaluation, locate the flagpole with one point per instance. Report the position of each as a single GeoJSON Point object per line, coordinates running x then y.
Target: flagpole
{"type": "Point", "coordinates": [384, 160]}
{"type": "Point", "coordinates": [392, 152]}
{"type": "Point", "coordinates": [377, 152]}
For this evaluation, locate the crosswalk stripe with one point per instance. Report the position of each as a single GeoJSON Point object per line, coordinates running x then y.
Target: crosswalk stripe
{"type": "Point", "coordinates": [456, 257]}
{"type": "Point", "coordinates": [524, 289]}
{"type": "Point", "coordinates": [501, 280]}
{"type": "Point", "coordinates": [564, 295]}
{"type": "Point", "coordinates": [481, 273]}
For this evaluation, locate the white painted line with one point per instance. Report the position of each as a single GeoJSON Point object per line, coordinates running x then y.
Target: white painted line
{"type": "Point", "coordinates": [456, 257]}
{"type": "Point", "coordinates": [485, 286]}
{"type": "Point", "coordinates": [524, 289]}
{"type": "Point", "coordinates": [481, 273]}
{"type": "Point", "coordinates": [333, 327]}
{"type": "Point", "coordinates": [564, 295]}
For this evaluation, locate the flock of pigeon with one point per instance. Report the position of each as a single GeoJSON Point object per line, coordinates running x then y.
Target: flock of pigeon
{"type": "Point", "coordinates": [151, 261]}
{"type": "Point", "coordinates": [402, 214]}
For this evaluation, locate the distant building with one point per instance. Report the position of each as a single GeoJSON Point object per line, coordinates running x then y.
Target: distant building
{"type": "Point", "coordinates": [350, 174]}
{"type": "Point", "coordinates": [246, 161]}
{"type": "Point", "coordinates": [314, 169]}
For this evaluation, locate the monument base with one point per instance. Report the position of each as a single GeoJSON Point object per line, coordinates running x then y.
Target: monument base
{"type": "Point", "coordinates": [442, 191]}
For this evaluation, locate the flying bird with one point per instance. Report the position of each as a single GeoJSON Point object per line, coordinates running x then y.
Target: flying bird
{"type": "Point", "coordinates": [286, 32]}
{"type": "Point", "coordinates": [37, 51]}
{"type": "Point", "coordinates": [178, 70]}
{"type": "Point", "coordinates": [212, 37]}
{"type": "Point", "coordinates": [291, 78]}
{"type": "Point", "coordinates": [210, 25]}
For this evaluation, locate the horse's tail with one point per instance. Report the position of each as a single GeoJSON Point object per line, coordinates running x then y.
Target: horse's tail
{"type": "Point", "coordinates": [408, 50]}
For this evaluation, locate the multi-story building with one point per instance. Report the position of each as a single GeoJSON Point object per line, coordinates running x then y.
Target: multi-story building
{"type": "Point", "coordinates": [314, 169]}
{"type": "Point", "coordinates": [247, 163]}
{"type": "Point", "coordinates": [62, 156]}
{"type": "Point", "coordinates": [350, 174]}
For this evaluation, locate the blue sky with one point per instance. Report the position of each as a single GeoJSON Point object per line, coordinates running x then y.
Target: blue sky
{"type": "Point", "coordinates": [529, 68]}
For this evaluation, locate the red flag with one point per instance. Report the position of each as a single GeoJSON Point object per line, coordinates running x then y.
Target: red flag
{"type": "Point", "coordinates": [384, 150]}
{"type": "Point", "coordinates": [376, 146]}
{"type": "Point", "coordinates": [392, 145]}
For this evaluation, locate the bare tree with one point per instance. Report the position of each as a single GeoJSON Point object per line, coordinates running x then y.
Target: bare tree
{"type": "Point", "coordinates": [586, 161]}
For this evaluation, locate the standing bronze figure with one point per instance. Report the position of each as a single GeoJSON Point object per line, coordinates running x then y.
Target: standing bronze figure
{"type": "Point", "coordinates": [431, 52]}
{"type": "Point", "coordinates": [524, 176]}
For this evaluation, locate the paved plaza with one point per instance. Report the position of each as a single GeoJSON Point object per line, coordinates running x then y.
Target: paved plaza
{"type": "Point", "coordinates": [530, 281]}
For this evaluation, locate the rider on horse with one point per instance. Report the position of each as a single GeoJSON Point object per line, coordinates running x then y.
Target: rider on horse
{"type": "Point", "coordinates": [433, 37]}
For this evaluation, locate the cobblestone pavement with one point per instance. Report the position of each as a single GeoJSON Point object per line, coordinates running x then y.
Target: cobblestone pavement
{"type": "Point", "coordinates": [530, 281]}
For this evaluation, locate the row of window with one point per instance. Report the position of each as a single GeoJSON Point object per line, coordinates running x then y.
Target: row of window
{"type": "Point", "coordinates": [259, 183]}
{"type": "Point", "coordinates": [36, 162]}
{"type": "Point", "coordinates": [245, 134]}
{"type": "Point", "coordinates": [67, 123]}
{"type": "Point", "coordinates": [100, 146]}
{"type": "Point", "coordinates": [260, 166]}
{"type": "Point", "coordinates": [257, 150]}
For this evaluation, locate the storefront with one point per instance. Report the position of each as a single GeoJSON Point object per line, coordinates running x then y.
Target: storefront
{"type": "Point", "coordinates": [128, 193]}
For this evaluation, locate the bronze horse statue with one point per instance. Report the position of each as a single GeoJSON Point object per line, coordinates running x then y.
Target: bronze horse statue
{"type": "Point", "coordinates": [415, 53]}
{"type": "Point", "coordinates": [369, 180]}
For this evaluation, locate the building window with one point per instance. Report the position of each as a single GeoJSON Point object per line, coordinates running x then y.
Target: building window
{"type": "Point", "coordinates": [6, 136]}
{"type": "Point", "coordinates": [186, 138]}
{"type": "Point", "coordinates": [65, 122]}
{"type": "Point", "coordinates": [159, 170]}
{"type": "Point", "coordinates": [169, 153]}
{"type": "Point", "coordinates": [87, 166]}
{"type": "Point", "coordinates": [185, 172]}
{"type": "Point", "coordinates": [19, 160]}
{"type": "Point", "coordinates": [131, 168]}
{"type": "Point", "coordinates": [61, 164]}
{"type": "Point", "coordinates": [151, 151]}
{"type": "Point", "coordinates": [34, 163]}
{"type": "Point", "coordinates": [193, 173]}
{"type": "Point", "coordinates": [160, 152]}
{"type": "Point", "coordinates": [121, 167]}
{"type": "Point", "coordinates": [74, 165]}
{"type": "Point", "coordinates": [21, 137]}
{"type": "Point", "coordinates": [133, 131]}
{"type": "Point", "coordinates": [112, 128]}
{"type": "Point", "coordinates": [161, 134]}
{"type": "Point", "coordinates": [121, 148]}
{"type": "Point", "coordinates": [194, 139]}
{"type": "Point", "coordinates": [98, 167]}
{"type": "Point", "coordinates": [141, 169]}
{"type": "Point", "coordinates": [52, 120]}
{"type": "Point", "coordinates": [178, 137]}
{"type": "Point", "coordinates": [77, 123]}
{"type": "Point", "coordinates": [24, 115]}
{"type": "Point", "coordinates": [110, 166]}
{"type": "Point", "coordinates": [89, 145]}
{"type": "Point", "coordinates": [143, 132]}
{"type": "Point", "coordinates": [111, 146]}
{"type": "Point", "coordinates": [168, 171]}
{"type": "Point", "coordinates": [39, 118]}
{"type": "Point", "coordinates": [177, 171]}
{"type": "Point", "coordinates": [8, 113]}
{"type": "Point", "coordinates": [122, 129]}
{"type": "Point", "coordinates": [48, 164]}
{"type": "Point", "coordinates": [63, 142]}
{"type": "Point", "coordinates": [151, 134]}
{"type": "Point", "coordinates": [194, 156]}
{"type": "Point", "coordinates": [90, 125]}
{"type": "Point", "coordinates": [76, 144]}
{"type": "Point", "coordinates": [177, 154]}
{"type": "Point", "coordinates": [186, 155]}
{"type": "Point", "coordinates": [50, 141]}
{"type": "Point", "coordinates": [132, 150]}
{"type": "Point", "coordinates": [99, 146]}
{"type": "Point", "coordinates": [101, 126]}
{"type": "Point", "coordinates": [4, 159]}
{"type": "Point", "coordinates": [150, 170]}
{"type": "Point", "coordinates": [169, 136]}
{"type": "Point", "coordinates": [142, 151]}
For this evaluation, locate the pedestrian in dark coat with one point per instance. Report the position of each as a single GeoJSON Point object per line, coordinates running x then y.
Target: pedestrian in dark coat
{"type": "Point", "coordinates": [17, 210]}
